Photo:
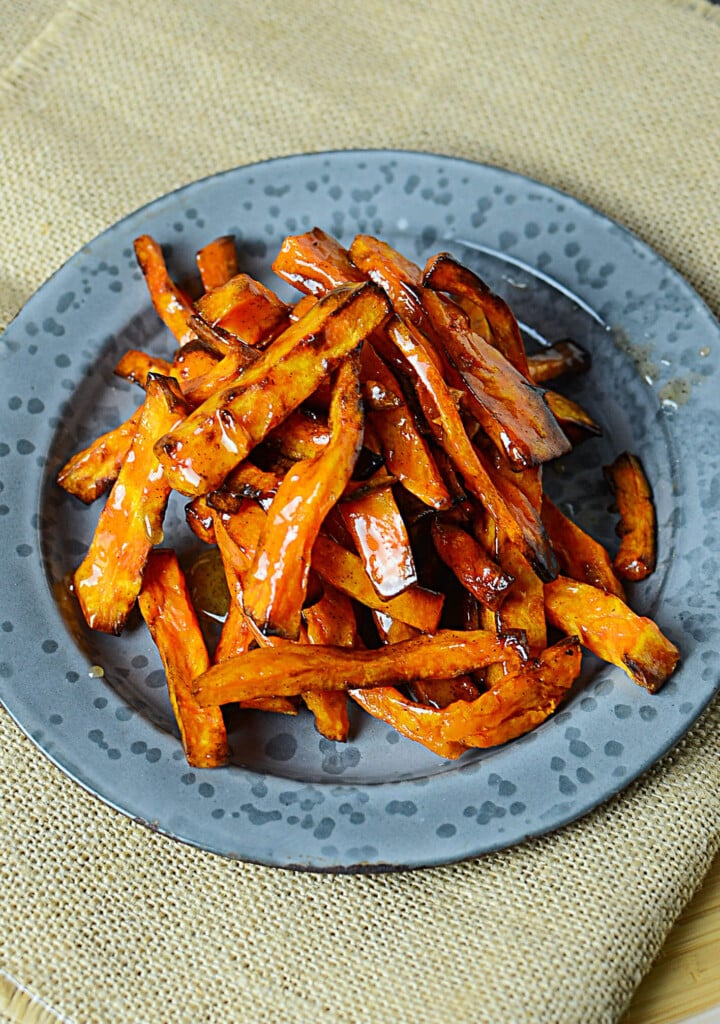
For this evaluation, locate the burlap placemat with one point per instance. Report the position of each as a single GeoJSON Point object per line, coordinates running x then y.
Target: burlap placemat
{"type": "Point", "coordinates": [105, 105]}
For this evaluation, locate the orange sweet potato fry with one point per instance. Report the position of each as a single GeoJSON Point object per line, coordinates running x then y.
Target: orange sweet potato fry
{"type": "Point", "coordinates": [218, 435]}
{"type": "Point", "coordinates": [343, 569]}
{"type": "Point", "coordinates": [93, 471]}
{"type": "Point", "coordinates": [193, 360]}
{"type": "Point", "coordinates": [173, 306]}
{"type": "Point", "coordinates": [330, 621]}
{"type": "Point", "coordinates": [300, 436]}
{"type": "Point", "coordinates": [108, 580]}
{"type": "Point", "coordinates": [637, 554]}
{"type": "Point", "coordinates": [576, 423]}
{"type": "Point", "coordinates": [217, 262]}
{"type": "Point", "coordinates": [557, 360]}
{"type": "Point", "coordinates": [407, 453]}
{"type": "Point", "coordinates": [508, 407]}
{"type": "Point", "coordinates": [297, 668]}
{"type": "Point", "coordinates": [277, 581]}
{"type": "Point", "coordinates": [471, 564]}
{"type": "Point", "coordinates": [612, 631]}
{"type": "Point", "coordinates": [487, 310]}
{"type": "Point", "coordinates": [243, 307]}
{"type": "Point", "coordinates": [315, 263]}
{"type": "Point", "coordinates": [579, 556]}
{"type": "Point", "coordinates": [165, 605]}
{"type": "Point", "coordinates": [419, 722]}
{"type": "Point", "coordinates": [443, 415]}
{"type": "Point", "coordinates": [518, 703]}
{"type": "Point", "coordinates": [134, 366]}
{"type": "Point", "coordinates": [381, 539]}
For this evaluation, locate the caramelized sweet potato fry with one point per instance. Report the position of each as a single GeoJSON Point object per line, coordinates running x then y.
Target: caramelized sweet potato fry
{"type": "Point", "coordinates": [278, 577]}
{"type": "Point", "coordinates": [579, 556]}
{"type": "Point", "coordinates": [520, 700]}
{"type": "Point", "coordinates": [219, 434]}
{"type": "Point", "coordinates": [343, 569]}
{"type": "Point", "coordinates": [381, 539]}
{"type": "Point", "coordinates": [297, 668]}
{"type": "Point", "coordinates": [442, 413]}
{"type": "Point", "coordinates": [217, 262]}
{"type": "Point", "coordinates": [557, 360]}
{"type": "Point", "coordinates": [612, 631]}
{"type": "Point", "coordinates": [444, 273]}
{"type": "Point", "coordinates": [637, 555]}
{"type": "Point", "coordinates": [577, 424]}
{"type": "Point", "coordinates": [419, 722]}
{"type": "Point", "coordinates": [510, 410]}
{"type": "Point", "coordinates": [193, 360]}
{"type": "Point", "coordinates": [407, 453]}
{"type": "Point", "coordinates": [93, 471]}
{"type": "Point", "coordinates": [300, 436]}
{"type": "Point", "coordinates": [165, 605]}
{"type": "Point", "coordinates": [108, 580]}
{"type": "Point", "coordinates": [171, 303]}
{"type": "Point", "coordinates": [315, 263]}
{"type": "Point", "coordinates": [518, 703]}
{"type": "Point", "coordinates": [134, 366]}
{"type": "Point", "coordinates": [330, 621]}
{"type": "Point", "coordinates": [243, 307]}
{"type": "Point", "coordinates": [471, 564]}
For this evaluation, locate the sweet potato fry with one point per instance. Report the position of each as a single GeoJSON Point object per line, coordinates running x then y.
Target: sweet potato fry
{"type": "Point", "coordinates": [217, 262]}
{"type": "Point", "coordinates": [315, 263]}
{"type": "Point", "coordinates": [93, 471]}
{"type": "Point", "coordinates": [193, 360]}
{"type": "Point", "coordinates": [134, 366]}
{"type": "Point", "coordinates": [419, 722]}
{"type": "Point", "coordinates": [173, 306]}
{"type": "Point", "coordinates": [579, 556]}
{"type": "Point", "coordinates": [407, 453]}
{"type": "Point", "coordinates": [442, 413]}
{"type": "Point", "coordinates": [219, 434]}
{"type": "Point", "coordinates": [330, 621]}
{"type": "Point", "coordinates": [557, 360]}
{"type": "Point", "coordinates": [219, 376]}
{"type": "Point", "coordinates": [108, 580]}
{"type": "Point", "coordinates": [612, 631]}
{"type": "Point", "coordinates": [297, 668]}
{"type": "Point", "coordinates": [343, 569]}
{"type": "Point", "coordinates": [637, 554]}
{"type": "Point", "coordinates": [300, 436]}
{"type": "Point", "coordinates": [471, 564]}
{"type": "Point", "coordinates": [165, 605]}
{"type": "Point", "coordinates": [510, 410]}
{"type": "Point", "coordinates": [398, 276]}
{"type": "Point", "coordinates": [243, 307]}
{"type": "Point", "coordinates": [519, 702]}
{"type": "Point", "coordinates": [444, 273]}
{"type": "Point", "coordinates": [576, 423]}
{"type": "Point", "coordinates": [381, 539]}
{"type": "Point", "coordinates": [277, 581]}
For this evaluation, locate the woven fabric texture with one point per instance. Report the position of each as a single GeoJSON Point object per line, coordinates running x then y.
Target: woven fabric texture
{"type": "Point", "coordinates": [104, 106]}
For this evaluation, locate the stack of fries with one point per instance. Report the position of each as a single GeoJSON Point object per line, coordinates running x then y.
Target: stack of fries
{"type": "Point", "coordinates": [368, 463]}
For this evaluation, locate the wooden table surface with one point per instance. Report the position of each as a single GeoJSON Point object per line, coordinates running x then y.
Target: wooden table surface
{"type": "Point", "coordinates": [685, 979]}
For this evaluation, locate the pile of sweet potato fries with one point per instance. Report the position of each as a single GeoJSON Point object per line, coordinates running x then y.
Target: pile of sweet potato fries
{"type": "Point", "coordinates": [368, 463]}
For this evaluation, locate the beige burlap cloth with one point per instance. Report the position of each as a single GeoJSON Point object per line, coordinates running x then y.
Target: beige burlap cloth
{"type": "Point", "coordinates": [105, 105]}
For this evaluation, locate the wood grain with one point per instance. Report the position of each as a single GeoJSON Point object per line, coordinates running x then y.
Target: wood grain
{"type": "Point", "coordinates": [685, 979]}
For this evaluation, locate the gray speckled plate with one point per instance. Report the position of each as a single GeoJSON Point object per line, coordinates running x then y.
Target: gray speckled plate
{"type": "Point", "coordinates": [292, 798]}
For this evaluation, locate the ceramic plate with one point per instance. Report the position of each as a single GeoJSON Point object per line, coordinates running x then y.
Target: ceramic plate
{"type": "Point", "coordinates": [290, 797]}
